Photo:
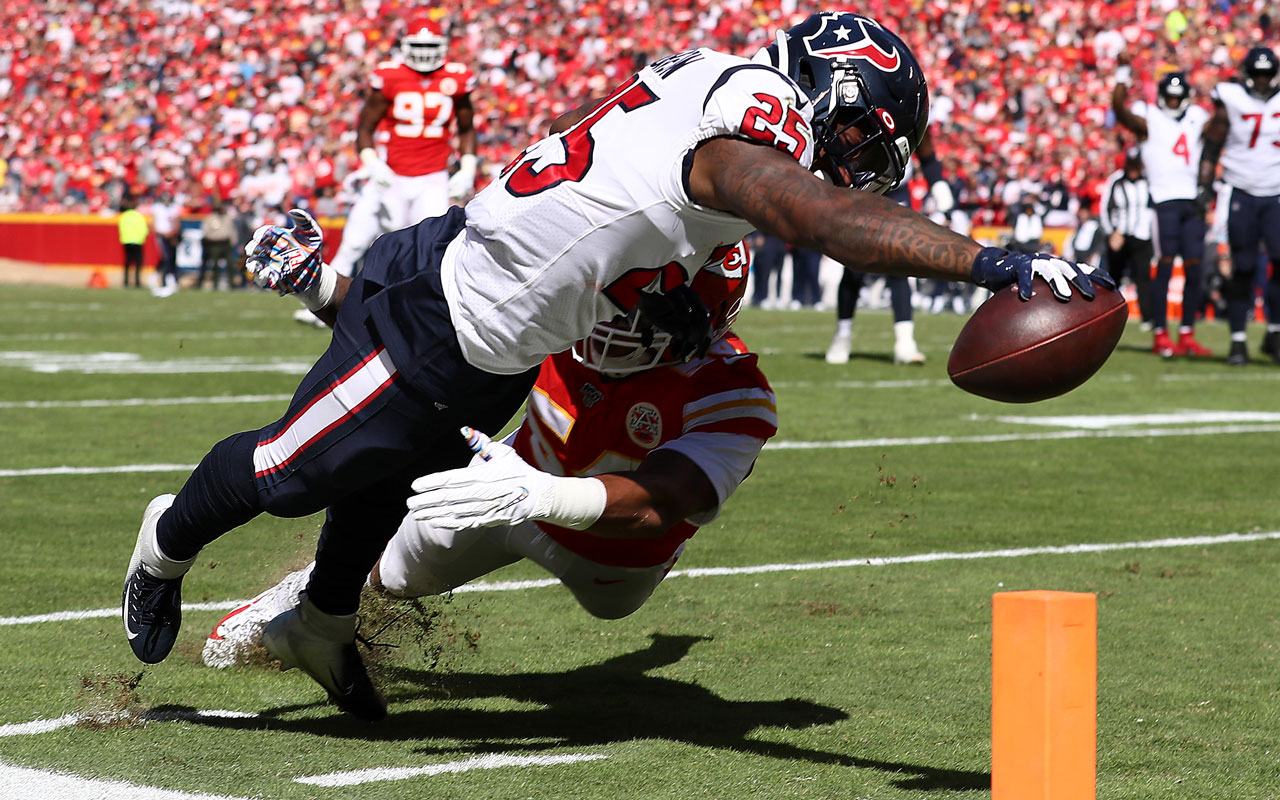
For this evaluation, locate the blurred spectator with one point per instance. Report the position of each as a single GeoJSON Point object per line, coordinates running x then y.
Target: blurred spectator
{"type": "Point", "coordinates": [1028, 230]}
{"type": "Point", "coordinates": [133, 235]}
{"type": "Point", "coordinates": [217, 233]}
{"type": "Point", "coordinates": [806, 291]}
{"type": "Point", "coordinates": [98, 101]}
{"type": "Point", "coordinates": [766, 264]}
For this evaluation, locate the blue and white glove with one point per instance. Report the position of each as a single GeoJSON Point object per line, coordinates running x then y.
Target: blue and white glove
{"type": "Point", "coordinates": [291, 260]}
{"type": "Point", "coordinates": [995, 268]}
{"type": "Point", "coordinates": [498, 487]}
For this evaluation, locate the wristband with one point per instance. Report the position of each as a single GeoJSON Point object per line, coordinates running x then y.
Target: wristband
{"type": "Point", "coordinates": [320, 295]}
{"type": "Point", "coordinates": [1124, 74]}
{"type": "Point", "coordinates": [467, 163]}
{"type": "Point", "coordinates": [369, 157]}
{"type": "Point", "coordinates": [573, 503]}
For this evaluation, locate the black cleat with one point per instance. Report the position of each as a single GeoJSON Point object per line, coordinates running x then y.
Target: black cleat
{"type": "Point", "coordinates": [1271, 345]}
{"type": "Point", "coordinates": [1239, 355]}
{"type": "Point", "coordinates": [151, 606]}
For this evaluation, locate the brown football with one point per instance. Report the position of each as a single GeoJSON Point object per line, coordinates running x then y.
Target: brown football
{"type": "Point", "coordinates": [1018, 351]}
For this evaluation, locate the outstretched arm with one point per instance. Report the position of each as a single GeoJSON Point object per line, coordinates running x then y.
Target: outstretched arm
{"type": "Point", "coordinates": [767, 188]}
{"type": "Point", "coordinates": [1126, 117]}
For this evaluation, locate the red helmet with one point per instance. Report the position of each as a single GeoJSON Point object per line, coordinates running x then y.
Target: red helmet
{"type": "Point", "coordinates": [628, 344]}
{"type": "Point", "coordinates": [424, 45]}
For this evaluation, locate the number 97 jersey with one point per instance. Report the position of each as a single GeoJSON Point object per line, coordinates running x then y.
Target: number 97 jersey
{"type": "Point", "coordinates": [421, 115]}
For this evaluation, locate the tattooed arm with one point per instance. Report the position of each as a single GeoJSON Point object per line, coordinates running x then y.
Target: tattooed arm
{"type": "Point", "coordinates": [770, 190]}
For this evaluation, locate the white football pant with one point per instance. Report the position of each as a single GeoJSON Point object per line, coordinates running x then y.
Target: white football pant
{"type": "Point", "coordinates": [422, 560]}
{"type": "Point", "coordinates": [407, 201]}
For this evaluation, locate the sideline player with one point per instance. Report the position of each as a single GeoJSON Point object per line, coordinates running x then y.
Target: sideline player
{"type": "Point", "coordinates": [671, 441]}
{"type": "Point", "coordinates": [1170, 134]}
{"type": "Point", "coordinates": [620, 208]}
{"type": "Point", "coordinates": [1244, 133]}
{"type": "Point", "coordinates": [419, 99]}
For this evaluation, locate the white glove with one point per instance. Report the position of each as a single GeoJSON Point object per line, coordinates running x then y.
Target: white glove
{"type": "Point", "coordinates": [291, 260]}
{"type": "Point", "coordinates": [378, 170]}
{"type": "Point", "coordinates": [462, 182]}
{"type": "Point", "coordinates": [499, 488]}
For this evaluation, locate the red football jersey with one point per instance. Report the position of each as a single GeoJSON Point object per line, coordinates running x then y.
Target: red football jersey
{"type": "Point", "coordinates": [421, 115]}
{"type": "Point", "coordinates": [579, 424]}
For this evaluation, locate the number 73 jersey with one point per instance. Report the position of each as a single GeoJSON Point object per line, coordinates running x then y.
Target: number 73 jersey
{"type": "Point", "coordinates": [421, 114]}
{"type": "Point", "coordinates": [1251, 154]}
{"type": "Point", "coordinates": [585, 220]}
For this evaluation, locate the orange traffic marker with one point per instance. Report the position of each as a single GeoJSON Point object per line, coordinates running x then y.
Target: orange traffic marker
{"type": "Point", "coordinates": [1044, 695]}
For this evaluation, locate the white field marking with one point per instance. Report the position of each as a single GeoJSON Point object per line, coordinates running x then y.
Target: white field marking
{"type": "Point", "coordinates": [22, 783]}
{"type": "Point", "coordinates": [758, 569]}
{"type": "Point", "coordinates": [47, 362]}
{"type": "Point", "coordinates": [126, 402]}
{"type": "Point", "coordinates": [1122, 377]}
{"type": "Point", "coordinates": [1104, 421]}
{"type": "Point", "coordinates": [64, 336]}
{"type": "Point", "coordinates": [914, 441]}
{"type": "Point", "coordinates": [67, 720]}
{"type": "Point", "coordinates": [492, 761]}
{"type": "Point", "coordinates": [26, 473]}
{"type": "Point", "coordinates": [991, 438]}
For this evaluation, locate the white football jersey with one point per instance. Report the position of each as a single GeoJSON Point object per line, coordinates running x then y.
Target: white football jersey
{"type": "Point", "coordinates": [583, 220]}
{"type": "Point", "coordinates": [1171, 151]}
{"type": "Point", "coordinates": [1251, 154]}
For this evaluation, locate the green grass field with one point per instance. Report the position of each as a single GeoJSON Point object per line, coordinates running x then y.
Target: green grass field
{"type": "Point", "coordinates": [861, 679]}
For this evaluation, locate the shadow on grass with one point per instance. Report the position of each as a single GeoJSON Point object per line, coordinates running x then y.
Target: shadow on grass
{"type": "Point", "coordinates": [614, 701]}
{"type": "Point", "coordinates": [856, 355]}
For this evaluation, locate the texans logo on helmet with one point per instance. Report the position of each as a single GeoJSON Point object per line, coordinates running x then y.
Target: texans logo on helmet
{"type": "Point", "coordinates": [822, 43]}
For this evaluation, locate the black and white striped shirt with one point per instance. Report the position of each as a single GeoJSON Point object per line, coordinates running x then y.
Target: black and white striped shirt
{"type": "Point", "coordinates": [1126, 206]}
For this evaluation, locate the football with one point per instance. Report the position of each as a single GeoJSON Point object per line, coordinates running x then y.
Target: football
{"type": "Point", "coordinates": [1018, 351]}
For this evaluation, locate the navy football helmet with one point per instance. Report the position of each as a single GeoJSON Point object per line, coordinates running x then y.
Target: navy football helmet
{"type": "Point", "coordinates": [1260, 68]}
{"type": "Point", "coordinates": [858, 75]}
{"type": "Point", "coordinates": [1172, 93]}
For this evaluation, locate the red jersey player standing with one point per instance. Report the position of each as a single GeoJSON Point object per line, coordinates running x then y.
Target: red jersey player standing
{"type": "Point", "coordinates": [418, 98]}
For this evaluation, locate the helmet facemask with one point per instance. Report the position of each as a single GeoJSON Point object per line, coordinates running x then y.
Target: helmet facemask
{"type": "Point", "coordinates": [424, 50]}
{"type": "Point", "coordinates": [625, 345]}
{"type": "Point", "coordinates": [877, 162]}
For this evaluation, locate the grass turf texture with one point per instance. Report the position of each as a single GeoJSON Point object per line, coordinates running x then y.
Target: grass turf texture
{"type": "Point", "coordinates": [855, 682]}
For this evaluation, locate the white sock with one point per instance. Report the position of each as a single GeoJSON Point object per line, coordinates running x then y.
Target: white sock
{"type": "Point", "coordinates": [844, 327]}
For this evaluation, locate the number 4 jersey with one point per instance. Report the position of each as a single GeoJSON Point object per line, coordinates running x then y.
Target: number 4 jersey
{"type": "Point", "coordinates": [420, 118]}
{"type": "Point", "coordinates": [1171, 151]}
{"type": "Point", "coordinates": [584, 220]}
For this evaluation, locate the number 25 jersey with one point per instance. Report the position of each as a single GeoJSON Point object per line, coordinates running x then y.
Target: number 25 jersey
{"type": "Point", "coordinates": [584, 220]}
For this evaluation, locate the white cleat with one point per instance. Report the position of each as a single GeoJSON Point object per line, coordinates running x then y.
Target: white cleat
{"type": "Point", "coordinates": [236, 635]}
{"type": "Point", "coordinates": [838, 351]}
{"type": "Point", "coordinates": [904, 344]}
{"type": "Point", "coordinates": [324, 646]}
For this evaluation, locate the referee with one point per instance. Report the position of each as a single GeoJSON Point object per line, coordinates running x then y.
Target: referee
{"type": "Point", "coordinates": [1126, 217]}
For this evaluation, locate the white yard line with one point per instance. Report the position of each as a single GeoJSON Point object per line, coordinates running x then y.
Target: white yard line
{"type": "Point", "coordinates": [128, 402]}
{"type": "Point", "coordinates": [491, 761]}
{"type": "Point", "coordinates": [22, 783]}
{"type": "Point", "coordinates": [910, 441]}
{"type": "Point", "coordinates": [756, 569]}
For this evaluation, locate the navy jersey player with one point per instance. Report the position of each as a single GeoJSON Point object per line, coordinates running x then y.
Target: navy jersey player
{"type": "Point", "coordinates": [619, 208]}
{"type": "Point", "coordinates": [1170, 133]}
{"type": "Point", "coordinates": [1244, 134]}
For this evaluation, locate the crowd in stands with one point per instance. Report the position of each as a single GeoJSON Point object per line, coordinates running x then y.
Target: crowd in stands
{"type": "Point", "coordinates": [239, 101]}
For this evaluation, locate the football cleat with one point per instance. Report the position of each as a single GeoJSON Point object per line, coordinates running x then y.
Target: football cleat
{"type": "Point", "coordinates": [1271, 345]}
{"type": "Point", "coordinates": [838, 351]}
{"type": "Point", "coordinates": [905, 350]}
{"type": "Point", "coordinates": [1190, 347]}
{"type": "Point", "coordinates": [151, 603]}
{"type": "Point", "coordinates": [324, 646]}
{"type": "Point", "coordinates": [238, 633]}
{"type": "Point", "coordinates": [1163, 346]}
{"type": "Point", "coordinates": [1238, 355]}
